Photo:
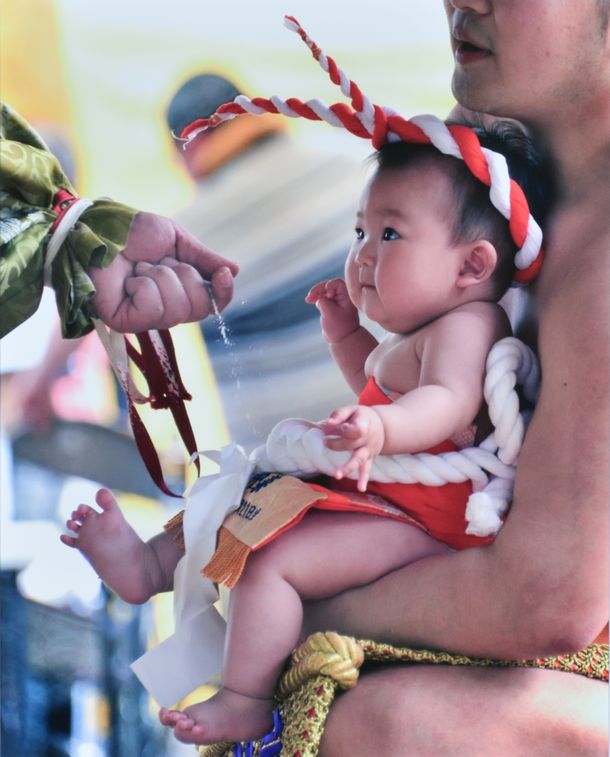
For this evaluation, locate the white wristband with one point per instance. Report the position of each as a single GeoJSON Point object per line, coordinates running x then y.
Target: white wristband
{"type": "Point", "coordinates": [62, 230]}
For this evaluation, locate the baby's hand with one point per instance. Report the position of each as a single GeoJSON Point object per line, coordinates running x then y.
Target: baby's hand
{"type": "Point", "coordinates": [359, 429]}
{"type": "Point", "coordinates": [338, 315]}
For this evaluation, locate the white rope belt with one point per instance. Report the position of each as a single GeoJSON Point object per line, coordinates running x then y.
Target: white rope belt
{"type": "Point", "coordinates": [296, 446]}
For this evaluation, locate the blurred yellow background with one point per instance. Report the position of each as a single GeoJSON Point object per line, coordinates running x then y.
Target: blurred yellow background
{"type": "Point", "coordinates": [102, 73]}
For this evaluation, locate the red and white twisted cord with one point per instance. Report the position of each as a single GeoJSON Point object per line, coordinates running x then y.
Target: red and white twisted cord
{"type": "Point", "coordinates": [369, 121]}
{"type": "Point", "coordinates": [361, 104]}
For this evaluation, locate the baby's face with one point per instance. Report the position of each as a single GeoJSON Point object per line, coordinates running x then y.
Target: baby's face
{"type": "Point", "coordinates": [400, 270]}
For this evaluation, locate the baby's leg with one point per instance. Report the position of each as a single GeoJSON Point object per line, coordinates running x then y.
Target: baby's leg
{"type": "Point", "coordinates": [134, 569]}
{"type": "Point", "coordinates": [323, 555]}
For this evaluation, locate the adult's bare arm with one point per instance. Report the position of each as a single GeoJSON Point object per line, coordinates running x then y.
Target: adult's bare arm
{"type": "Point", "coordinates": [160, 278]}
{"type": "Point", "coordinates": [541, 589]}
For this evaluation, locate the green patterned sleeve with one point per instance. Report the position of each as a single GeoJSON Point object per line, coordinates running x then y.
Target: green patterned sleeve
{"type": "Point", "coordinates": [30, 177]}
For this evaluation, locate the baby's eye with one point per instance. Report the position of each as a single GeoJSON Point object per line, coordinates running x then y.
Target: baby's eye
{"type": "Point", "coordinates": [359, 233]}
{"type": "Point", "coordinates": [389, 234]}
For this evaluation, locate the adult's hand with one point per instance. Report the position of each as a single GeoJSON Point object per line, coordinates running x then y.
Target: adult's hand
{"type": "Point", "coordinates": [161, 278]}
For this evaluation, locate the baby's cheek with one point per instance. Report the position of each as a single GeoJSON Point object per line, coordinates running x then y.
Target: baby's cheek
{"type": "Point", "coordinates": [353, 290]}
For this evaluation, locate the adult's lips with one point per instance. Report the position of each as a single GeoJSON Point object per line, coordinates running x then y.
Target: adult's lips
{"type": "Point", "coordinates": [467, 46]}
{"type": "Point", "coordinates": [469, 52]}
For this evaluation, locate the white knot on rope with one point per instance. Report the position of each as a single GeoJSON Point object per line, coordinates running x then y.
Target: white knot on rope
{"type": "Point", "coordinates": [296, 446]}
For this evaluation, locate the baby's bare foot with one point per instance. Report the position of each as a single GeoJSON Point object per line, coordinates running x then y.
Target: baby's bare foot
{"type": "Point", "coordinates": [227, 716]}
{"type": "Point", "coordinates": [118, 555]}
{"type": "Point", "coordinates": [171, 717]}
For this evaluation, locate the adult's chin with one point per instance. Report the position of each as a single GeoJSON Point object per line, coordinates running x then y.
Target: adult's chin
{"type": "Point", "coordinates": [479, 96]}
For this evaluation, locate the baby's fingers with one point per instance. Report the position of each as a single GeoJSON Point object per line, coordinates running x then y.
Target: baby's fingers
{"type": "Point", "coordinates": [358, 466]}
{"type": "Point", "coordinates": [332, 289]}
{"type": "Point", "coordinates": [340, 443]}
{"type": "Point", "coordinates": [365, 472]}
{"type": "Point", "coordinates": [316, 292]}
{"type": "Point", "coordinates": [335, 289]}
{"type": "Point", "coordinates": [339, 416]}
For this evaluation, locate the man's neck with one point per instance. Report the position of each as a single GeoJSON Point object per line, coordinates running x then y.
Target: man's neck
{"type": "Point", "coordinates": [580, 147]}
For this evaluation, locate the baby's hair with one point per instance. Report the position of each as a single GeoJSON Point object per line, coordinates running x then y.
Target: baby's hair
{"type": "Point", "coordinates": [474, 216]}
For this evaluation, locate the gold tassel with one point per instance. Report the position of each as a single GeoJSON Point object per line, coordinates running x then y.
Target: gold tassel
{"type": "Point", "coordinates": [326, 652]}
{"type": "Point", "coordinates": [228, 561]}
{"type": "Point", "coordinates": [220, 749]}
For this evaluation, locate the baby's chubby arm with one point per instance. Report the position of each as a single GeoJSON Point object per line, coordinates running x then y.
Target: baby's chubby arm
{"type": "Point", "coordinates": [452, 351]}
{"type": "Point", "coordinates": [350, 343]}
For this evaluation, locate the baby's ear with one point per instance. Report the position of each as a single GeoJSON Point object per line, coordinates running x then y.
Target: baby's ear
{"type": "Point", "coordinates": [478, 263]}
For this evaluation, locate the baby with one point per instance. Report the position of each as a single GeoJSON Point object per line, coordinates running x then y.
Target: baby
{"type": "Point", "coordinates": [430, 259]}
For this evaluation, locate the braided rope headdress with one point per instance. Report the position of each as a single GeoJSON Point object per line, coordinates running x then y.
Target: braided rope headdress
{"type": "Point", "coordinates": [380, 124]}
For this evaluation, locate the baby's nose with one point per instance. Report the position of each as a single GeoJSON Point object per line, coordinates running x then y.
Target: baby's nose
{"type": "Point", "coordinates": [365, 256]}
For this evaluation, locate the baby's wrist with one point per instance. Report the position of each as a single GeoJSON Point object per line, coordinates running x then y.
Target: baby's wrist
{"type": "Point", "coordinates": [334, 342]}
{"type": "Point", "coordinates": [379, 430]}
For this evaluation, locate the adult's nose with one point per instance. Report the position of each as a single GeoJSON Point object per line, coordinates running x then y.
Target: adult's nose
{"type": "Point", "coordinates": [473, 6]}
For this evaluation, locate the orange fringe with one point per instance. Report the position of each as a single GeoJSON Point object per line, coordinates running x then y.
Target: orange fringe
{"type": "Point", "coordinates": [228, 561]}
{"type": "Point", "coordinates": [173, 527]}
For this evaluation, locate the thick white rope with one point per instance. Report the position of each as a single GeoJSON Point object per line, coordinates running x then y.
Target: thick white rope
{"type": "Point", "coordinates": [296, 446]}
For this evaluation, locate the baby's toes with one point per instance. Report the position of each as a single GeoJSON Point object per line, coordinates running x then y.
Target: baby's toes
{"type": "Point", "coordinates": [170, 717]}
{"type": "Point", "coordinates": [188, 731]}
{"type": "Point", "coordinates": [105, 499]}
{"type": "Point", "coordinates": [69, 541]}
{"type": "Point", "coordinates": [83, 512]}
{"type": "Point", "coordinates": [73, 525]}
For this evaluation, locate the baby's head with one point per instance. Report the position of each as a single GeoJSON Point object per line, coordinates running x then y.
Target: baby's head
{"type": "Point", "coordinates": [472, 214]}
{"type": "Point", "coordinates": [428, 237]}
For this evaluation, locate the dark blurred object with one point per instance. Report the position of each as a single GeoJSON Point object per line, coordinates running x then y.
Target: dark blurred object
{"type": "Point", "coordinates": [66, 684]}
{"type": "Point", "coordinates": [76, 448]}
{"type": "Point", "coordinates": [202, 94]}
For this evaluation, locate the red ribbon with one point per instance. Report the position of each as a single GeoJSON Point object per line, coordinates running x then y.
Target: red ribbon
{"type": "Point", "coordinates": [165, 386]}
{"type": "Point", "coordinates": [62, 200]}
{"type": "Point", "coordinates": [166, 391]}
